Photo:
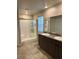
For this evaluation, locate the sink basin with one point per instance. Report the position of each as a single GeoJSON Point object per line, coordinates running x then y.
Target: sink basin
{"type": "Point", "coordinates": [45, 34]}
{"type": "Point", "coordinates": [58, 38]}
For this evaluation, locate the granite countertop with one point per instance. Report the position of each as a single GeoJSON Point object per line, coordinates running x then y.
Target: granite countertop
{"type": "Point", "coordinates": [58, 38]}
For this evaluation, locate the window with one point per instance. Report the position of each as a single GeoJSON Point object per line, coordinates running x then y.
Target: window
{"type": "Point", "coordinates": [40, 24]}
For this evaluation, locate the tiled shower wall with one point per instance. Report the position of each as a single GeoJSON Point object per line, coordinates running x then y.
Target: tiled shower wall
{"type": "Point", "coordinates": [27, 30]}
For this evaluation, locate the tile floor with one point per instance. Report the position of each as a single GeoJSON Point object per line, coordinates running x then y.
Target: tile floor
{"type": "Point", "coordinates": [30, 50]}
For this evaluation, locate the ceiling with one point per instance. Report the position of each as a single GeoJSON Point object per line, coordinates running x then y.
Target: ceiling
{"type": "Point", "coordinates": [34, 6]}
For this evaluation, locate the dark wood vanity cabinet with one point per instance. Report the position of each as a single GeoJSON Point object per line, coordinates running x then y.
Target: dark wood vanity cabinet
{"type": "Point", "coordinates": [51, 46]}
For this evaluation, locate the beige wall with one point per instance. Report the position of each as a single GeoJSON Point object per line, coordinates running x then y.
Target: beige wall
{"type": "Point", "coordinates": [54, 11]}
{"type": "Point", "coordinates": [50, 12]}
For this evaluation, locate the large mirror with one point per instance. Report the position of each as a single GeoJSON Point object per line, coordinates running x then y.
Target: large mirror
{"type": "Point", "coordinates": [53, 25]}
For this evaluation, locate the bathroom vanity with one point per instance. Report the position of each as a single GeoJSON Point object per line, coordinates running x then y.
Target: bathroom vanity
{"type": "Point", "coordinates": [51, 43]}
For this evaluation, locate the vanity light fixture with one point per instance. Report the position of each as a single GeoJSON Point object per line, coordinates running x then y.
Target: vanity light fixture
{"type": "Point", "coordinates": [26, 11]}
{"type": "Point", "coordinates": [45, 4]}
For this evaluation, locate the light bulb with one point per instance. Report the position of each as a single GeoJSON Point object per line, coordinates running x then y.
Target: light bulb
{"type": "Point", "coordinates": [26, 12]}
{"type": "Point", "coordinates": [46, 6]}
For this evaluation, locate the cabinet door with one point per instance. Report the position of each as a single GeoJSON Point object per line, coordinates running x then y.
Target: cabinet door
{"type": "Point", "coordinates": [44, 43]}
{"type": "Point", "coordinates": [52, 48]}
{"type": "Point", "coordinates": [58, 50]}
